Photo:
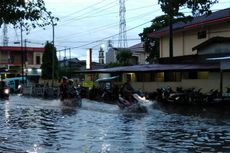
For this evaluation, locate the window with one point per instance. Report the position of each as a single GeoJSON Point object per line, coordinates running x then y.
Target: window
{"type": "Point", "coordinates": [172, 76]}
{"type": "Point", "coordinates": [128, 77]}
{"type": "Point", "coordinates": [159, 76]}
{"type": "Point", "coordinates": [38, 60]}
{"type": "Point", "coordinates": [143, 77]}
{"type": "Point", "coordinates": [201, 34]}
{"type": "Point", "coordinates": [196, 75]}
{"type": "Point", "coordinates": [202, 75]}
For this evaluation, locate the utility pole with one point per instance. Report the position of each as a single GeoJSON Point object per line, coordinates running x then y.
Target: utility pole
{"type": "Point", "coordinates": [22, 55]}
{"type": "Point", "coordinates": [53, 54]}
{"type": "Point", "coordinates": [26, 62]}
{"type": "Point", "coordinates": [122, 41]}
{"type": "Point", "coordinates": [5, 33]}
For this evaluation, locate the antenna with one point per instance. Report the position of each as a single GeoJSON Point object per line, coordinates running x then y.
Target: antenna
{"type": "Point", "coordinates": [122, 41]}
{"type": "Point", "coordinates": [5, 37]}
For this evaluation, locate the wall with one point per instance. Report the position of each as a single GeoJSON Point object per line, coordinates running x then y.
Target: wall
{"type": "Point", "coordinates": [185, 41]}
{"type": "Point", "coordinates": [215, 49]}
{"type": "Point", "coordinates": [205, 84]}
{"type": "Point", "coordinates": [111, 56]}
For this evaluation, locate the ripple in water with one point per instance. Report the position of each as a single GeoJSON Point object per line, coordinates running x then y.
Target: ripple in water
{"type": "Point", "coordinates": [36, 125]}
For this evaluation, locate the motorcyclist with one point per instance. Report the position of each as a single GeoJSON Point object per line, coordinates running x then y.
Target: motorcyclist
{"type": "Point", "coordinates": [71, 89]}
{"type": "Point", "coordinates": [127, 91]}
{"type": "Point", "coordinates": [63, 88]}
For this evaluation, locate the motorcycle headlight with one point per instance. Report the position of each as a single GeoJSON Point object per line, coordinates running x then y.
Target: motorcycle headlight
{"type": "Point", "coordinates": [19, 86]}
{"type": "Point", "coordinates": [6, 91]}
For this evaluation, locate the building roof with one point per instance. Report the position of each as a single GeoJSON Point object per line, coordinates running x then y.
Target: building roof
{"type": "Point", "coordinates": [215, 17]}
{"type": "Point", "coordinates": [157, 68]}
{"type": "Point", "coordinates": [137, 47]}
{"type": "Point", "coordinates": [212, 41]}
{"type": "Point", "coordinates": [18, 48]}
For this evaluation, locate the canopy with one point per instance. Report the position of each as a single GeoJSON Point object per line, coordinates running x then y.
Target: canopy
{"type": "Point", "coordinates": [107, 79]}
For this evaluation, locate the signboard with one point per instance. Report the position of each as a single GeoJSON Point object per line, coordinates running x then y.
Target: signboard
{"type": "Point", "coordinates": [87, 84]}
{"type": "Point", "coordinates": [89, 59]}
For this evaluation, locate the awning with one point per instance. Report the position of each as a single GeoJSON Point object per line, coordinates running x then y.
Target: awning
{"type": "Point", "coordinates": [107, 79]}
{"type": "Point", "coordinates": [156, 68]}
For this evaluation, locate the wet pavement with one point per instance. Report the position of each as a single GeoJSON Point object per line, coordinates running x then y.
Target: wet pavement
{"type": "Point", "coordinates": [46, 126]}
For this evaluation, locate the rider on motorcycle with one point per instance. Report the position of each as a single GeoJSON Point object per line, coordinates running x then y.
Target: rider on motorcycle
{"type": "Point", "coordinates": [63, 88]}
{"type": "Point", "coordinates": [71, 89]}
{"type": "Point", "coordinates": [127, 91]}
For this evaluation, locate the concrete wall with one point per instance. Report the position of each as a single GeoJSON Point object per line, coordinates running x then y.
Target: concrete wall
{"type": "Point", "coordinates": [183, 42]}
{"type": "Point", "coordinates": [215, 49]}
{"type": "Point", "coordinates": [213, 82]}
{"type": "Point", "coordinates": [111, 56]}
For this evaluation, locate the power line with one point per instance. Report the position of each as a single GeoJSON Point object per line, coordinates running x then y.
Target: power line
{"type": "Point", "coordinates": [109, 36]}
{"type": "Point", "coordinates": [101, 15]}
{"type": "Point", "coordinates": [86, 8]}
{"type": "Point", "coordinates": [87, 14]}
{"type": "Point", "coordinates": [106, 27]}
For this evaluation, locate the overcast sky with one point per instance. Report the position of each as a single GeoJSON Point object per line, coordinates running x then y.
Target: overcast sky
{"type": "Point", "coordinates": [86, 23]}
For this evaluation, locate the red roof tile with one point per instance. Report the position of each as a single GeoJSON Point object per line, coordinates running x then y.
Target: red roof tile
{"type": "Point", "coordinates": [16, 48]}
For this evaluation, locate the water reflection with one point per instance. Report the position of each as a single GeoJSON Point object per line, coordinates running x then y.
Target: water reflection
{"type": "Point", "coordinates": [204, 112]}
{"type": "Point", "coordinates": [7, 111]}
{"type": "Point", "coordinates": [36, 125]}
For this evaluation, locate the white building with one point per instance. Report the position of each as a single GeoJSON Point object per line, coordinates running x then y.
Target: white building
{"type": "Point", "coordinates": [138, 54]}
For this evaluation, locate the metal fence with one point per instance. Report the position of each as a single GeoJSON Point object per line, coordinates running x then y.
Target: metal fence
{"type": "Point", "coordinates": [41, 91]}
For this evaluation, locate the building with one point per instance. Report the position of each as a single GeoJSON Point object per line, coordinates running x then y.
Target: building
{"type": "Point", "coordinates": [73, 67]}
{"type": "Point", "coordinates": [111, 55]}
{"type": "Point", "coordinates": [188, 35]}
{"type": "Point", "coordinates": [138, 54]}
{"type": "Point", "coordinates": [194, 44]}
{"type": "Point", "coordinates": [101, 56]}
{"type": "Point", "coordinates": [13, 58]}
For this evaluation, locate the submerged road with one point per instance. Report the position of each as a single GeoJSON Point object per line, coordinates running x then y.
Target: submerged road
{"type": "Point", "coordinates": [46, 126]}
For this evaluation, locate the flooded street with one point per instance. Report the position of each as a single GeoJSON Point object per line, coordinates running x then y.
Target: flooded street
{"type": "Point", "coordinates": [45, 126]}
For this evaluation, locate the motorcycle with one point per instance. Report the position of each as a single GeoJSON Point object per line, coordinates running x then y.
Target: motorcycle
{"type": "Point", "coordinates": [136, 105]}
{"type": "Point", "coordinates": [4, 93]}
{"type": "Point", "coordinates": [4, 90]}
{"type": "Point", "coordinates": [73, 98]}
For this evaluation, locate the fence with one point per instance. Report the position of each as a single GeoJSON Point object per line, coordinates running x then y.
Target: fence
{"type": "Point", "coordinates": [40, 91]}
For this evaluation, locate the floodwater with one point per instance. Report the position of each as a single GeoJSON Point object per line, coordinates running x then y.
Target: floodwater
{"type": "Point", "coordinates": [45, 126]}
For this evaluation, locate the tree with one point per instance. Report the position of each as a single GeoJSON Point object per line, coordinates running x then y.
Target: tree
{"type": "Point", "coordinates": [25, 13]}
{"type": "Point", "coordinates": [151, 45]}
{"type": "Point", "coordinates": [171, 9]}
{"type": "Point", "coordinates": [124, 56]}
{"type": "Point", "coordinates": [47, 62]}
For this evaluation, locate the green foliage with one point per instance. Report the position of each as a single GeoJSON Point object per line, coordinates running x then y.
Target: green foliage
{"type": "Point", "coordinates": [115, 64]}
{"type": "Point", "coordinates": [198, 7]}
{"type": "Point", "coordinates": [28, 14]}
{"type": "Point", "coordinates": [68, 71]}
{"type": "Point", "coordinates": [171, 9]}
{"type": "Point", "coordinates": [151, 45]}
{"type": "Point", "coordinates": [47, 62]}
{"type": "Point", "coordinates": [123, 56]}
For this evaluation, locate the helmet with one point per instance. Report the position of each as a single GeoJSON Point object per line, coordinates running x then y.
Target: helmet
{"type": "Point", "coordinates": [64, 78]}
{"type": "Point", "coordinates": [70, 80]}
